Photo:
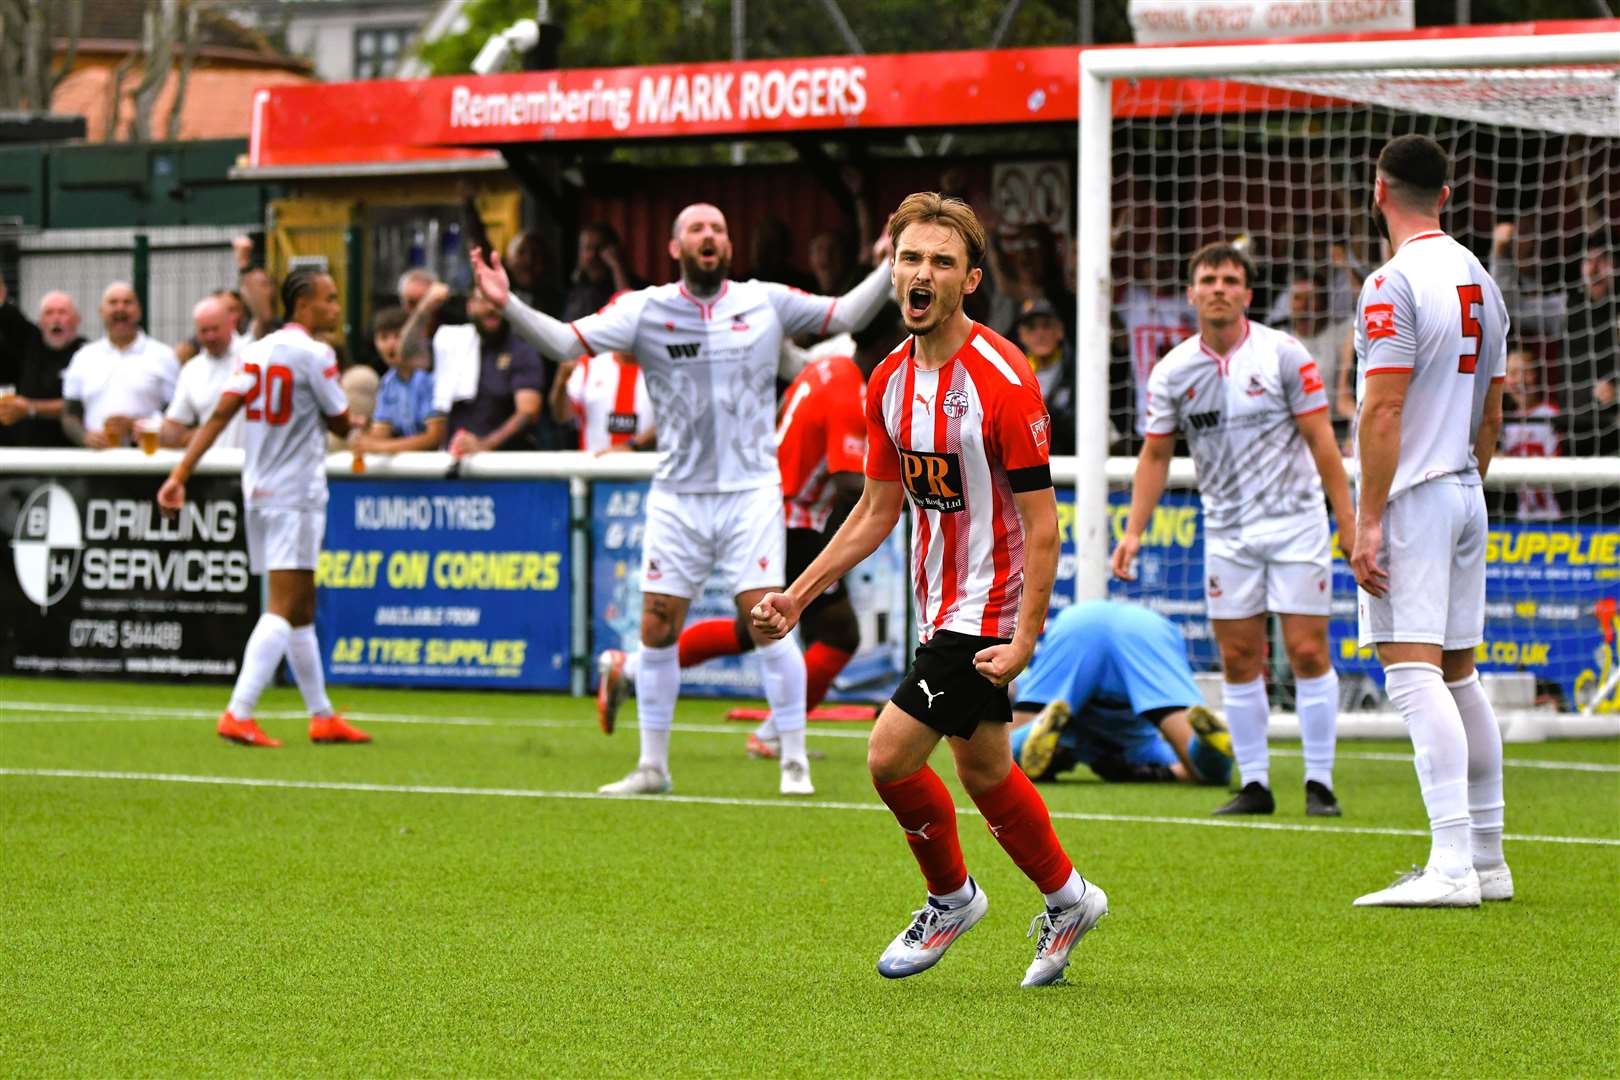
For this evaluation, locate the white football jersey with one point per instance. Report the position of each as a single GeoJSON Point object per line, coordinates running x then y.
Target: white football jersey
{"type": "Point", "coordinates": [197, 393]}
{"type": "Point", "coordinates": [1433, 310]}
{"type": "Point", "coordinates": [1154, 323]}
{"type": "Point", "coordinates": [288, 383]}
{"type": "Point", "coordinates": [710, 368]}
{"type": "Point", "coordinates": [1239, 413]}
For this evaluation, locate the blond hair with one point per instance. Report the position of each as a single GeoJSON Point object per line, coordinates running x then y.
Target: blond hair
{"type": "Point", "coordinates": [930, 208]}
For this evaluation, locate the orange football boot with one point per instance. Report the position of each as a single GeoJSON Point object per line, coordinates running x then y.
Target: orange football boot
{"type": "Point", "coordinates": [246, 732]}
{"type": "Point", "coordinates": [334, 729]}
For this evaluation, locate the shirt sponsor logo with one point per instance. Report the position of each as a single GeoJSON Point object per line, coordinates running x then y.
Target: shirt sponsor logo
{"type": "Point", "coordinates": [680, 350]}
{"type": "Point", "coordinates": [933, 480]}
{"type": "Point", "coordinates": [1310, 379]}
{"type": "Point", "coordinates": [1380, 320]}
{"type": "Point", "coordinates": [1040, 429]}
{"type": "Point", "coordinates": [621, 423]}
{"type": "Point", "coordinates": [1204, 420]}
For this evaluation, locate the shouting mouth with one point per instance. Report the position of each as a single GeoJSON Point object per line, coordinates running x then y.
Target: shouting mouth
{"type": "Point", "coordinates": [918, 301]}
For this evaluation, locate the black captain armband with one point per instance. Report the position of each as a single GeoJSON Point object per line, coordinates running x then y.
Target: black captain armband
{"type": "Point", "coordinates": [1033, 478]}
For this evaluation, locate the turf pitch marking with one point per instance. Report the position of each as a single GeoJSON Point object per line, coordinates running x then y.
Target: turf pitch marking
{"type": "Point", "coordinates": [48, 712]}
{"type": "Point", "coordinates": [714, 800]}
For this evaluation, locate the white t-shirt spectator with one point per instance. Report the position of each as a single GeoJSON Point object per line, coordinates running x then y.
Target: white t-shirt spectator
{"type": "Point", "coordinates": [197, 393]}
{"type": "Point", "coordinates": [109, 381]}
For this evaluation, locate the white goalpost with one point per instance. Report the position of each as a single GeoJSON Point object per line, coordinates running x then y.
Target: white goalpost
{"type": "Point", "coordinates": [1272, 146]}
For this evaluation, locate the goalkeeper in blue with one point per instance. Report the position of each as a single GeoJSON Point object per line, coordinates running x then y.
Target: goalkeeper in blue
{"type": "Point", "coordinates": [1110, 687]}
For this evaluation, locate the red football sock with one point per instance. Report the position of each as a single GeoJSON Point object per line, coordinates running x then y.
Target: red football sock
{"type": "Point", "coordinates": [1017, 817]}
{"type": "Point", "coordinates": [922, 805]}
{"type": "Point", "coordinates": [822, 663]}
{"type": "Point", "coordinates": [707, 640]}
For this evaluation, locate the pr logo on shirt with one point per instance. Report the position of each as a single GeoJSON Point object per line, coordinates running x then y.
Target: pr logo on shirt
{"type": "Point", "coordinates": [1310, 379]}
{"type": "Point", "coordinates": [1380, 320]}
{"type": "Point", "coordinates": [934, 481]}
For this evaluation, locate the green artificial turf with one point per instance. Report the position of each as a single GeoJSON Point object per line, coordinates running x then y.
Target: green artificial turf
{"type": "Point", "coordinates": [172, 927]}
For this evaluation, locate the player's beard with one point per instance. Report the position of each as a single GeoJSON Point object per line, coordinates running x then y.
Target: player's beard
{"type": "Point", "coordinates": [701, 281]}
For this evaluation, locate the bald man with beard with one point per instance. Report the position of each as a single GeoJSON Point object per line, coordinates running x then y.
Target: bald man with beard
{"type": "Point", "coordinates": [32, 358]}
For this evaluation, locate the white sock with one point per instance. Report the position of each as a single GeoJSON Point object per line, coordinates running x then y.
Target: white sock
{"type": "Point", "coordinates": [1418, 692]}
{"type": "Point", "coordinates": [781, 667]}
{"type": "Point", "coordinates": [265, 648]}
{"type": "Point", "coordinates": [304, 657]}
{"type": "Point", "coordinates": [766, 730]}
{"type": "Point", "coordinates": [1486, 806]}
{"type": "Point", "coordinates": [1317, 702]}
{"type": "Point", "coordinates": [959, 897]}
{"type": "Point", "coordinates": [792, 746]}
{"type": "Point", "coordinates": [1247, 714]}
{"type": "Point", "coordinates": [658, 685]}
{"type": "Point", "coordinates": [1068, 893]}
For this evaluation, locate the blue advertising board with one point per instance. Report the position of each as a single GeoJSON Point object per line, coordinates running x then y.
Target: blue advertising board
{"type": "Point", "coordinates": [455, 584]}
{"type": "Point", "coordinates": [1550, 596]}
{"type": "Point", "coordinates": [878, 592]}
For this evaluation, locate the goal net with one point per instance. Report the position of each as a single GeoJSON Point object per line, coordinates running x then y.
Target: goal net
{"type": "Point", "coordinates": [1273, 148]}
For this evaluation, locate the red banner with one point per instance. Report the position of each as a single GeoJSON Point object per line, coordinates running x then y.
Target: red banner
{"type": "Point", "coordinates": [417, 120]}
{"type": "Point", "coordinates": [373, 121]}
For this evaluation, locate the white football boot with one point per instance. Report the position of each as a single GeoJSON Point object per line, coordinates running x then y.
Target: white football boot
{"type": "Point", "coordinates": [645, 780]}
{"type": "Point", "coordinates": [1426, 888]}
{"type": "Point", "coordinates": [933, 928]}
{"type": "Point", "coordinates": [1496, 883]}
{"type": "Point", "coordinates": [796, 777]}
{"type": "Point", "coordinates": [1060, 931]}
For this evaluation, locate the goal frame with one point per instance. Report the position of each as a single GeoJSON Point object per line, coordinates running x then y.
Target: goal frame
{"type": "Point", "coordinates": [1099, 70]}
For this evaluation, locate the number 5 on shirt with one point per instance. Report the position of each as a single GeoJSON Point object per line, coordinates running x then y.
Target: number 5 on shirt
{"type": "Point", "coordinates": [1470, 297]}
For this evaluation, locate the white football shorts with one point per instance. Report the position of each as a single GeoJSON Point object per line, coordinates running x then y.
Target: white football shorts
{"type": "Point", "coordinates": [1284, 566]}
{"type": "Point", "coordinates": [736, 537]}
{"type": "Point", "coordinates": [1434, 553]}
{"type": "Point", "coordinates": [282, 539]}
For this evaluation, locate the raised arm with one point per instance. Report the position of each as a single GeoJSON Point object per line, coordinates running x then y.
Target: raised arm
{"type": "Point", "coordinates": [860, 305]}
{"type": "Point", "coordinates": [553, 337]}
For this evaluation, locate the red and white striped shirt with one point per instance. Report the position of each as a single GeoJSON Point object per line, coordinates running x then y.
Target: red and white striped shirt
{"type": "Point", "coordinates": [609, 396]}
{"type": "Point", "coordinates": [820, 432]}
{"type": "Point", "coordinates": [962, 438]}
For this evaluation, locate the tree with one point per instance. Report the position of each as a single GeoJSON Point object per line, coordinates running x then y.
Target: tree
{"type": "Point", "coordinates": [29, 30]}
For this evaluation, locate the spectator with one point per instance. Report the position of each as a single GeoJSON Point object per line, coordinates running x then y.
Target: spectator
{"type": "Point", "coordinates": [1154, 316]}
{"type": "Point", "coordinates": [255, 290]}
{"type": "Point", "coordinates": [832, 265]}
{"type": "Point", "coordinates": [489, 384]}
{"type": "Point", "coordinates": [1592, 371]}
{"type": "Point", "coordinates": [1533, 310]}
{"type": "Point", "coordinates": [120, 377]}
{"type": "Point", "coordinates": [1323, 337]}
{"type": "Point", "coordinates": [405, 418]}
{"type": "Point", "coordinates": [530, 266]}
{"type": "Point", "coordinates": [204, 376]}
{"type": "Point", "coordinates": [32, 359]}
{"type": "Point", "coordinates": [1529, 429]}
{"type": "Point", "coordinates": [1026, 265]}
{"type": "Point", "coordinates": [1051, 355]}
{"type": "Point", "coordinates": [414, 285]}
{"type": "Point", "coordinates": [1336, 277]}
{"type": "Point", "coordinates": [771, 255]}
{"type": "Point", "coordinates": [607, 395]}
{"type": "Point", "coordinates": [601, 273]}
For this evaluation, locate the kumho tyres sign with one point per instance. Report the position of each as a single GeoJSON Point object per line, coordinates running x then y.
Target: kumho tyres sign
{"type": "Point", "coordinates": [95, 581]}
{"type": "Point", "coordinates": [446, 584]}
